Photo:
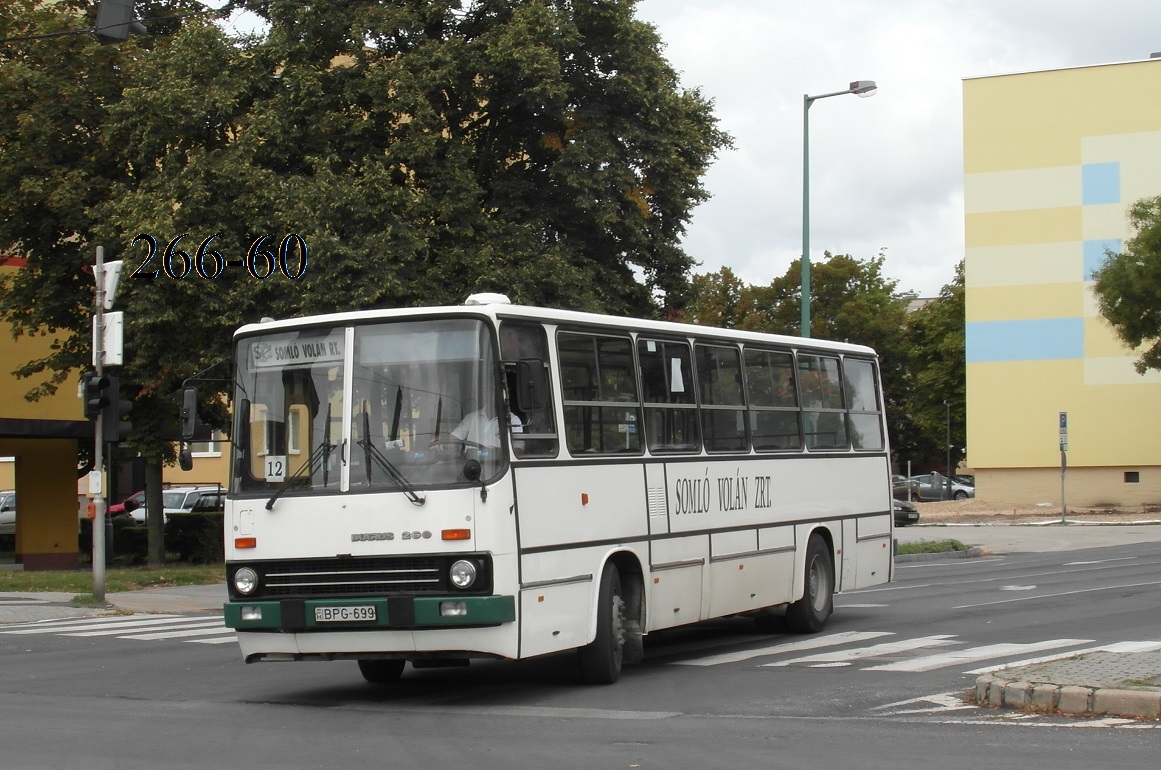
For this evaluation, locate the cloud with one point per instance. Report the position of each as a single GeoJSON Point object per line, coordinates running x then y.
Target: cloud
{"type": "Point", "coordinates": [885, 172]}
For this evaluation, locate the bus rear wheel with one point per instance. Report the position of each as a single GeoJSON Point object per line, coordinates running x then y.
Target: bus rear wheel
{"type": "Point", "coordinates": [381, 671]}
{"type": "Point", "coordinates": [601, 660]}
{"type": "Point", "coordinates": [809, 614]}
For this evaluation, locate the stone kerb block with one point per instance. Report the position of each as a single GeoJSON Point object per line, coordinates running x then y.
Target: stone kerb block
{"type": "Point", "coordinates": [1127, 703]}
{"type": "Point", "coordinates": [1045, 696]}
{"type": "Point", "coordinates": [1016, 694]}
{"type": "Point", "coordinates": [1075, 700]}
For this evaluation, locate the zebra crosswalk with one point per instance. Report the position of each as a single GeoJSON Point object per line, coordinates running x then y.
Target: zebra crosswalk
{"type": "Point", "coordinates": [908, 655]}
{"type": "Point", "coordinates": [200, 629]}
{"type": "Point", "coordinates": [865, 650]}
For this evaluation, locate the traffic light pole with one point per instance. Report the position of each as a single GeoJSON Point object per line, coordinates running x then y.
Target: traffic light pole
{"type": "Point", "coordinates": [99, 434]}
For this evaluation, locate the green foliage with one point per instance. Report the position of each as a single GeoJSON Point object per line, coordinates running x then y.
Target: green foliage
{"type": "Point", "coordinates": [126, 541]}
{"type": "Point", "coordinates": [938, 365]}
{"type": "Point", "coordinates": [921, 354]}
{"type": "Point", "coordinates": [930, 546]}
{"type": "Point", "coordinates": [116, 579]}
{"type": "Point", "coordinates": [1128, 285]}
{"type": "Point", "coordinates": [423, 150]}
{"type": "Point", "coordinates": [195, 538]}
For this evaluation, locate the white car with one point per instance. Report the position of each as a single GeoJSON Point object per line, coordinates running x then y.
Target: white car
{"type": "Point", "coordinates": [7, 512]}
{"type": "Point", "coordinates": [180, 500]}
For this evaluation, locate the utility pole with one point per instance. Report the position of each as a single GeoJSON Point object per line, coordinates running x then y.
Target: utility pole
{"type": "Point", "coordinates": [99, 434]}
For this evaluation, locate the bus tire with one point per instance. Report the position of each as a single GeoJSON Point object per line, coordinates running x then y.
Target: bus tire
{"type": "Point", "coordinates": [809, 614]}
{"type": "Point", "coordinates": [600, 661]}
{"type": "Point", "coordinates": [381, 671]}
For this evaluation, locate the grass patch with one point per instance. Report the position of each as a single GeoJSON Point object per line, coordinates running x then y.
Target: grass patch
{"type": "Point", "coordinates": [931, 546]}
{"type": "Point", "coordinates": [117, 579]}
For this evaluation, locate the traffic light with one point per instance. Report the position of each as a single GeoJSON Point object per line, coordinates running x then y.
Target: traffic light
{"type": "Point", "coordinates": [96, 390]}
{"type": "Point", "coordinates": [115, 21]}
{"type": "Point", "coordinates": [113, 428]}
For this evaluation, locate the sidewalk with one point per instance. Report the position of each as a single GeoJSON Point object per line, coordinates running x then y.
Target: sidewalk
{"type": "Point", "coordinates": [1113, 683]}
{"type": "Point", "coordinates": [31, 607]}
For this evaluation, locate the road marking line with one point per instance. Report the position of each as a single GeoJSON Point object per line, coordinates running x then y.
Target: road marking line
{"type": "Point", "coordinates": [1098, 561]}
{"type": "Point", "coordinates": [1051, 596]}
{"type": "Point", "coordinates": [175, 634]}
{"type": "Point", "coordinates": [874, 651]}
{"type": "Point", "coordinates": [64, 628]}
{"type": "Point", "coordinates": [807, 644]}
{"type": "Point", "coordinates": [1115, 647]}
{"type": "Point", "coordinates": [174, 626]}
{"type": "Point", "coordinates": [217, 640]}
{"type": "Point", "coordinates": [931, 662]}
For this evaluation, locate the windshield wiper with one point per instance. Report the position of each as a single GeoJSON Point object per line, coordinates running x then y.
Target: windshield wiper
{"type": "Point", "coordinates": [371, 452]}
{"type": "Point", "coordinates": [300, 478]}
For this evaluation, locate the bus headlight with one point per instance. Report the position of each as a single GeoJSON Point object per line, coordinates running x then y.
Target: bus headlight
{"type": "Point", "coordinates": [245, 581]}
{"type": "Point", "coordinates": [462, 574]}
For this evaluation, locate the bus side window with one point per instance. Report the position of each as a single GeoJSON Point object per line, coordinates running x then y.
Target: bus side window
{"type": "Point", "coordinates": [862, 390]}
{"type": "Point", "coordinates": [824, 414]}
{"type": "Point", "coordinates": [671, 423]}
{"type": "Point", "coordinates": [773, 400]}
{"type": "Point", "coordinates": [524, 351]}
{"type": "Point", "coordinates": [602, 409]}
{"type": "Point", "coordinates": [719, 377]}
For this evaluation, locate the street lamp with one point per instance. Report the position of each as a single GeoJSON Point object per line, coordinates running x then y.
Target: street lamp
{"type": "Point", "coordinates": [863, 89]}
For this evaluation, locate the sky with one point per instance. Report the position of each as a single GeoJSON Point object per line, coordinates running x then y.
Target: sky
{"type": "Point", "coordinates": [886, 172]}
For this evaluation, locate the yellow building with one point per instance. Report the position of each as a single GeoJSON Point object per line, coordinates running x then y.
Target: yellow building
{"type": "Point", "coordinates": [1052, 162]}
{"type": "Point", "coordinates": [38, 457]}
{"type": "Point", "coordinates": [38, 444]}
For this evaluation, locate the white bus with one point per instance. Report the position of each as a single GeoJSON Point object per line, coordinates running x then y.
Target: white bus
{"type": "Point", "coordinates": [496, 481]}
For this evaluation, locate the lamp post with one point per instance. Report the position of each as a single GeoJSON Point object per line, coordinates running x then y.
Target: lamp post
{"type": "Point", "coordinates": [863, 89]}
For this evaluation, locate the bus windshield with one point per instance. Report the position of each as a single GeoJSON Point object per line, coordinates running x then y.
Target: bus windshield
{"type": "Point", "coordinates": [377, 407]}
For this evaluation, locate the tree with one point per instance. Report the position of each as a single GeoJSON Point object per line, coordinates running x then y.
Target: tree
{"type": "Point", "coordinates": [719, 299]}
{"type": "Point", "coordinates": [852, 301]}
{"type": "Point", "coordinates": [938, 369]}
{"type": "Point", "coordinates": [1128, 285]}
{"type": "Point", "coordinates": [423, 150]}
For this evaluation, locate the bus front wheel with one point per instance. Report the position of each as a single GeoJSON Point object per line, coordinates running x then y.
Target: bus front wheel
{"type": "Point", "coordinates": [381, 671]}
{"type": "Point", "coordinates": [809, 614]}
{"type": "Point", "coordinates": [600, 661]}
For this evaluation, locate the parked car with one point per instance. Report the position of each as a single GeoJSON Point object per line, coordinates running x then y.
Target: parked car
{"type": "Point", "coordinates": [903, 488]}
{"type": "Point", "coordinates": [135, 500]}
{"type": "Point", "coordinates": [905, 513]}
{"type": "Point", "coordinates": [934, 486]}
{"type": "Point", "coordinates": [182, 500]}
{"type": "Point", "coordinates": [7, 512]}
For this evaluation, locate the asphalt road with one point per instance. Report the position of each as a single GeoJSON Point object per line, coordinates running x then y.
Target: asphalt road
{"type": "Point", "coordinates": [1001, 538]}
{"type": "Point", "coordinates": [880, 688]}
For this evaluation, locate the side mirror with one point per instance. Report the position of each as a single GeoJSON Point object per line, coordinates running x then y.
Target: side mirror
{"type": "Point", "coordinates": [531, 385]}
{"type": "Point", "coordinates": [185, 457]}
{"type": "Point", "coordinates": [189, 413]}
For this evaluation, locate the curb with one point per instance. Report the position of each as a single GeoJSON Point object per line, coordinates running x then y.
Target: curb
{"type": "Point", "coordinates": [968, 554]}
{"type": "Point", "coordinates": [1073, 700]}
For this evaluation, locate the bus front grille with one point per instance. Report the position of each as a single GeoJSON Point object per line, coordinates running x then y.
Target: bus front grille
{"type": "Point", "coordinates": [352, 577]}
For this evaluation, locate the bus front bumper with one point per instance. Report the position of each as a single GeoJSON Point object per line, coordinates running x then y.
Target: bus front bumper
{"type": "Point", "coordinates": [378, 613]}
